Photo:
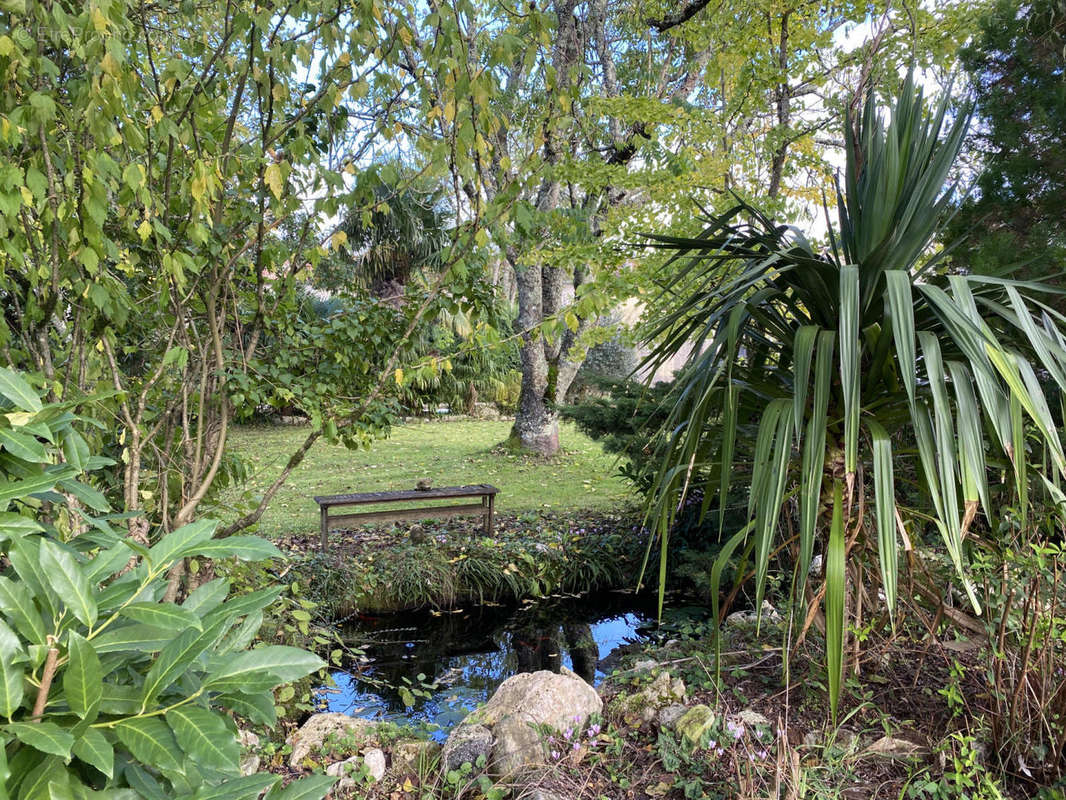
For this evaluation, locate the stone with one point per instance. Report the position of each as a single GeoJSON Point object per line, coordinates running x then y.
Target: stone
{"type": "Point", "coordinates": [319, 727]}
{"type": "Point", "coordinates": [541, 794]}
{"type": "Point", "coordinates": [516, 746]}
{"type": "Point", "coordinates": [669, 715]}
{"type": "Point", "coordinates": [414, 755]}
{"type": "Point", "coordinates": [750, 619]}
{"type": "Point", "coordinates": [374, 761]}
{"type": "Point", "coordinates": [558, 700]}
{"type": "Point", "coordinates": [465, 744]}
{"type": "Point", "coordinates": [249, 743]}
{"type": "Point", "coordinates": [694, 723]}
{"type": "Point", "coordinates": [645, 665]}
{"type": "Point", "coordinates": [891, 747]}
{"type": "Point", "coordinates": [340, 769]}
{"type": "Point", "coordinates": [249, 764]}
{"type": "Point", "coordinates": [751, 719]}
{"type": "Point", "coordinates": [662, 691]}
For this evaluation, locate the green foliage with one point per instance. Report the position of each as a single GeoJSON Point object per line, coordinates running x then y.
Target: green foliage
{"type": "Point", "coordinates": [532, 556]}
{"type": "Point", "coordinates": [105, 686]}
{"type": "Point", "coordinates": [1013, 216]}
{"type": "Point", "coordinates": [811, 368]}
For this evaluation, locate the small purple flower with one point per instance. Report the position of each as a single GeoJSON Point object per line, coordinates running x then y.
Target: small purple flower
{"type": "Point", "coordinates": [712, 744]}
{"type": "Point", "coordinates": [719, 752]}
{"type": "Point", "coordinates": [569, 732]}
{"type": "Point", "coordinates": [593, 730]}
{"type": "Point", "coordinates": [577, 746]}
{"type": "Point", "coordinates": [761, 754]}
{"type": "Point", "coordinates": [555, 755]}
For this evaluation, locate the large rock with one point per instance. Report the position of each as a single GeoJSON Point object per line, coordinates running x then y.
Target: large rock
{"type": "Point", "coordinates": [695, 723]}
{"type": "Point", "coordinates": [319, 727]}
{"type": "Point", "coordinates": [516, 746]}
{"type": "Point", "coordinates": [558, 700]}
{"type": "Point", "coordinates": [514, 717]}
{"type": "Point", "coordinates": [465, 744]}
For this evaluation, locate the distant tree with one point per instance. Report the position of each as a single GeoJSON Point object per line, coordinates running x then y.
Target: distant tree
{"type": "Point", "coordinates": [1017, 64]}
{"type": "Point", "coordinates": [398, 226]}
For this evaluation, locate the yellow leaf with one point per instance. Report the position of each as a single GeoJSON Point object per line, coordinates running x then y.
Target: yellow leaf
{"type": "Point", "coordinates": [144, 230]}
{"type": "Point", "coordinates": [272, 177]}
{"type": "Point", "coordinates": [6, 46]}
{"type": "Point", "coordinates": [198, 188]}
{"type": "Point", "coordinates": [338, 240]}
{"type": "Point", "coordinates": [109, 65]}
{"type": "Point", "coordinates": [449, 111]}
{"type": "Point", "coordinates": [99, 20]}
{"type": "Point", "coordinates": [399, 376]}
{"type": "Point", "coordinates": [157, 113]}
{"type": "Point", "coordinates": [571, 320]}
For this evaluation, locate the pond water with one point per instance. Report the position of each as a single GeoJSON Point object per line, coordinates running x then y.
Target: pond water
{"type": "Point", "coordinates": [436, 667]}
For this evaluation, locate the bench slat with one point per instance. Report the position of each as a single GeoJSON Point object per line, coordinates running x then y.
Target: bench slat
{"type": "Point", "coordinates": [445, 492]}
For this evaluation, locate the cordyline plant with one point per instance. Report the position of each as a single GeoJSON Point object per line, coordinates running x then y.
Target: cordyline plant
{"type": "Point", "coordinates": [808, 367]}
{"type": "Point", "coordinates": [106, 690]}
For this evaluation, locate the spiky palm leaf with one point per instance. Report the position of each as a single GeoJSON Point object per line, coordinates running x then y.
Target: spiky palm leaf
{"type": "Point", "coordinates": [807, 364]}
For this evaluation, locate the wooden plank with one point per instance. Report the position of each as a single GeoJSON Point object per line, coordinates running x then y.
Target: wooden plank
{"type": "Point", "coordinates": [444, 492]}
{"type": "Point", "coordinates": [364, 517]}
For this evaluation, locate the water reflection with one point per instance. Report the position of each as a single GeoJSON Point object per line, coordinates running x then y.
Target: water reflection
{"type": "Point", "coordinates": [465, 656]}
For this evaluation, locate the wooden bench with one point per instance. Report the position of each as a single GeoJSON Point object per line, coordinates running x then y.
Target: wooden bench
{"type": "Point", "coordinates": [486, 506]}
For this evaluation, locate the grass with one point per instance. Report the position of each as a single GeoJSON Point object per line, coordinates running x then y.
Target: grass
{"type": "Point", "coordinates": [448, 453]}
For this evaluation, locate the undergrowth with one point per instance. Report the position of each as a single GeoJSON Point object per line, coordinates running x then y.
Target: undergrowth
{"type": "Point", "coordinates": [383, 570]}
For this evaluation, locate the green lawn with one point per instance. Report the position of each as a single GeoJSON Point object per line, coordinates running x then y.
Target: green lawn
{"type": "Point", "coordinates": [448, 453]}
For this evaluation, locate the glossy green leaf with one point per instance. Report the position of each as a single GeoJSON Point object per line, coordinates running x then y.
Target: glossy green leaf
{"type": "Point", "coordinates": [82, 676]}
{"type": "Point", "coordinates": [47, 737]}
{"type": "Point", "coordinates": [94, 749]}
{"type": "Point", "coordinates": [17, 604]}
{"type": "Point", "coordinates": [265, 666]}
{"type": "Point", "coordinates": [249, 548]}
{"type": "Point", "coordinates": [11, 674]}
{"type": "Point", "coordinates": [181, 542]}
{"type": "Point", "coordinates": [15, 388]}
{"type": "Point", "coordinates": [204, 737]}
{"type": "Point", "coordinates": [162, 615]}
{"type": "Point", "coordinates": [68, 582]}
{"type": "Point", "coordinates": [313, 787]}
{"type": "Point", "coordinates": [150, 741]}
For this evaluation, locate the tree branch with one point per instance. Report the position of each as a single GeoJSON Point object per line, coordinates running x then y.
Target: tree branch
{"type": "Point", "coordinates": [680, 17]}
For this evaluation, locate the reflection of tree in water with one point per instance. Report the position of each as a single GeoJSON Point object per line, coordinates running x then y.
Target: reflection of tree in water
{"type": "Point", "coordinates": [542, 647]}
{"type": "Point", "coordinates": [475, 651]}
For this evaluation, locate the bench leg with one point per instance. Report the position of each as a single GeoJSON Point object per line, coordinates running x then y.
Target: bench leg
{"type": "Point", "coordinates": [324, 542]}
{"type": "Point", "coordinates": [489, 515]}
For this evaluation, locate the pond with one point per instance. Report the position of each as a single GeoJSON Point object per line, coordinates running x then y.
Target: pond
{"type": "Point", "coordinates": [435, 667]}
